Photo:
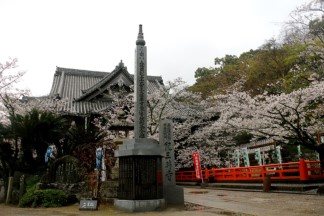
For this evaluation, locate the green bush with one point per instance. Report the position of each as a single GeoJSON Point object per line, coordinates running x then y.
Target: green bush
{"type": "Point", "coordinates": [31, 181]}
{"type": "Point", "coordinates": [43, 198]}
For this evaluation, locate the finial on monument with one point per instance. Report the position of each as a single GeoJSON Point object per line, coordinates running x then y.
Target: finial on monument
{"type": "Point", "coordinates": [140, 39]}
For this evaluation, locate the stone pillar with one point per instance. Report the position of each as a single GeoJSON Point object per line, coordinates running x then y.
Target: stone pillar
{"type": "Point", "coordinates": [173, 194]}
{"type": "Point", "coordinates": [140, 87]}
{"type": "Point", "coordinates": [22, 186]}
{"type": "Point", "coordinates": [140, 182]}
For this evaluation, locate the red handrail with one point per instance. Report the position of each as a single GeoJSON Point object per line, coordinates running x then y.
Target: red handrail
{"type": "Point", "coordinates": [302, 170]}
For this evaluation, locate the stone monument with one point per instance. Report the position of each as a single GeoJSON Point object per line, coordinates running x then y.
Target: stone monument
{"type": "Point", "coordinates": [173, 194]}
{"type": "Point", "coordinates": [140, 159]}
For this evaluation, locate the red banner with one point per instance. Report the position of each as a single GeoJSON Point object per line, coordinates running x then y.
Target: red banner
{"type": "Point", "coordinates": [196, 161]}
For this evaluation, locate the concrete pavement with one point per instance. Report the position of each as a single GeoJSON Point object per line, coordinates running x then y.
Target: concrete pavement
{"type": "Point", "coordinates": [257, 203]}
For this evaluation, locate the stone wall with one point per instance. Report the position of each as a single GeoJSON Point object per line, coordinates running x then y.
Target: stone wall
{"type": "Point", "coordinates": [108, 190]}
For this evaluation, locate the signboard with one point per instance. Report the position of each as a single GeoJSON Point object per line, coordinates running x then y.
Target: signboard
{"type": "Point", "coordinates": [245, 155]}
{"type": "Point", "coordinates": [278, 154]}
{"type": "Point", "coordinates": [237, 157]}
{"type": "Point", "coordinates": [88, 205]}
{"type": "Point", "coordinates": [262, 149]}
{"type": "Point", "coordinates": [258, 156]}
{"type": "Point", "coordinates": [299, 152]}
{"type": "Point", "coordinates": [196, 161]}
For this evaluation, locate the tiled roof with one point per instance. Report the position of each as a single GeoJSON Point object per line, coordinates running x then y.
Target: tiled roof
{"type": "Point", "coordinates": [80, 85]}
{"type": "Point", "coordinates": [69, 83]}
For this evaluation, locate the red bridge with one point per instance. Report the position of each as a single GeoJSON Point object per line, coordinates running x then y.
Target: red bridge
{"type": "Point", "coordinates": [301, 171]}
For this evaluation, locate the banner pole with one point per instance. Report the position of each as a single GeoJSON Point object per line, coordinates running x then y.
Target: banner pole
{"type": "Point", "coordinates": [201, 172]}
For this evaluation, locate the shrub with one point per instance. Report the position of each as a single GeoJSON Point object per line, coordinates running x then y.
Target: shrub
{"type": "Point", "coordinates": [43, 198]}
{"type": "Point", "coordinates": [27, 199]}
{"type": "Point", "coordinates": [31, 181]}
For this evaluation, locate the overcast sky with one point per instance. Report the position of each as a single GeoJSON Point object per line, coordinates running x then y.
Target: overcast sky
{"type": "Point", "coordinates": [181, 35]}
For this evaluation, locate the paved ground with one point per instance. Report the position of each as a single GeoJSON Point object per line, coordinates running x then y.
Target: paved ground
{"type": "Point", "coordinates": [258, 203]}
{"type": "Point", "coordinates": [205, 202]}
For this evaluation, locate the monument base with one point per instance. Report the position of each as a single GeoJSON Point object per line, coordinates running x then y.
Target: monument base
{"type": "Point", "coordinates": [174, 195]}
{"type": "Point", "coordinates": [140, 205]}
{"type": "Point", "coordinates": [139, 147]}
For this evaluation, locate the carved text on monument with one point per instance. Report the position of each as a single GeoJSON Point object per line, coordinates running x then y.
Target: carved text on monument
{"type": "Point", "coordinates": [141, 101]}
{"type": "Point", "coordinates": [168, 151]}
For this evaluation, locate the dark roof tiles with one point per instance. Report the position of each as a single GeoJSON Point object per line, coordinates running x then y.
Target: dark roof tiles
{"type": "Point", "coordinates": [78, 85]}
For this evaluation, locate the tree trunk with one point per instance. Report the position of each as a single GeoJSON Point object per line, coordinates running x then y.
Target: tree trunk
{"type": "Point", "coordinates": [321, 157]}
{"type": "Point", "coordinates": [320, 150]}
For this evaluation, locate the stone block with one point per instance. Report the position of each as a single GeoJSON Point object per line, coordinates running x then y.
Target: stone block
{"type": "Point", "coordinates": [88, 205]}
{"type": "Point", "coordinates": [174, 195]}
{"type": "Point", "coordinates": [140, 205]}
{"type": "Point", "coordinates": [109, 189]}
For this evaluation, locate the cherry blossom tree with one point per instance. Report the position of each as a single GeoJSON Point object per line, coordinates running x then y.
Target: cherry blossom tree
{"type": "Point", "coordinates": [167, 101]}
{"type": "Point", "coordinates": [9, 76]}
{"type": "Point", "coordinates": [16, 105]}
{"type": "Point", "coordinates": [17, 101]}
{"type": "Point", "coordinates": [305, 32]}
{"type": "Point", "coordinates": [195, 133]}
{"type": "Point", "coordinates": [191, 122]}
{"type": "Point", "coordinates": [119, 114]}
{"type": "Point", "coordinates": [171, 100]}
{"type": "Point", "coordinates": [296, 117]}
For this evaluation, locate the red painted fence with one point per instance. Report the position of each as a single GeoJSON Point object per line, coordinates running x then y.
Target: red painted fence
{"type": "Point", "coordinates": [302, 170]}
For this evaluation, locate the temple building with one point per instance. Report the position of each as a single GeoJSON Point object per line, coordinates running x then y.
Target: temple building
{"type": "Point", "coordinates": [90, 92]}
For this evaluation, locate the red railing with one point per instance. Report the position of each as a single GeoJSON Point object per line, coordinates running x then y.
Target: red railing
{"type": "Point", "coordinates": [302, 170]}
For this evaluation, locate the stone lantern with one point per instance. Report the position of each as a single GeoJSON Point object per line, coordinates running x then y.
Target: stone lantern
{"type": "Point", "coordinates": [122, 130]}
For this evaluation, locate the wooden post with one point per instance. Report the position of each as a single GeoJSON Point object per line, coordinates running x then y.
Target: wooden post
{"type": "Point", "coordinates": [266, 183]}
{"type": "Point", "coordinates": [214, 174]}
{"type": "Point", "coordinates": [303, 173]}
{"type": "Point", "coordinates": [206, 174]}
{"type": "Point", "coordinates": [9, 191]}
{"type": "Point", "coordinates": [264, 171]}
{"type": "Point", "coordinates": [234, 173]}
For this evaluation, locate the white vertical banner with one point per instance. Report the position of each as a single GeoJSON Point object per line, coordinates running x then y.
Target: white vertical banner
{"type": "Point", "coordinates": [237, 157]}
{"type": "Point", "coordinates": [103, 165]}
{"type": "Point", "coordinates": [317, 156]}
{"type": "Point", "coordinates": [245, 155]}
{"type": "Point", "coordinates": [263, 158]}
{"type": "Point", "coordinates": [278, 154]}
{"type": "Point", "coordinates": [299, 152]}
{"type": "Point", "coordinates": [258, 156]}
